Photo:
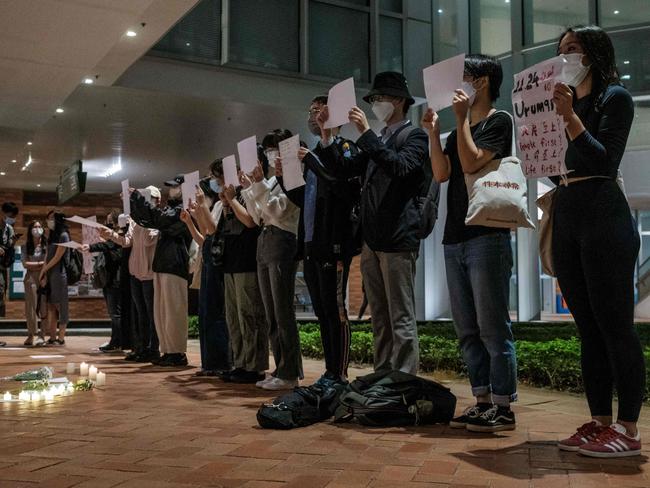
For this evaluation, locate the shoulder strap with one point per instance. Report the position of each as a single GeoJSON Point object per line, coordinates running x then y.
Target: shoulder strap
{"type": "Point", "coordinates": [403, 134]}
{"type": "Point", "coordinates": [513, 145]}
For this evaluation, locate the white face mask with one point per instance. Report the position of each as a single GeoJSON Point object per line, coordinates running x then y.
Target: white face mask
{"type": "Point", "coordinates": [37, 231]}
{"type": "Point", "coordinates": [573, 71]}
{"type": "Point", "coordinates": [468, 88]}
{"type": "Point", "coordinates": [50, 224]}
{"type": "Point", "coordinates": [383, 110]}
{"type": "Point", "coordinates": [272, 155]}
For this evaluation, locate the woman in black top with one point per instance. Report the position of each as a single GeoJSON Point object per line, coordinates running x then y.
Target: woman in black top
{"type": "Point", "coordinates": [595, 243]}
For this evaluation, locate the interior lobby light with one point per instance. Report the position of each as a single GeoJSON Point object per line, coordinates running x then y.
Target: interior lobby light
{"type": "Point", "coordinates": [29, 143]}
{"type": "Point", "coordinates": [59, 110]}
{"type": "Point", "coordinates": [131, 33]}
{"type": "Point", "coordinates": [89, 81]}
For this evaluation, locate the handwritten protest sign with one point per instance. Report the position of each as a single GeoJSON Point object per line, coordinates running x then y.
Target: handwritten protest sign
{"type": "Point", "coordinates": [541, 140]}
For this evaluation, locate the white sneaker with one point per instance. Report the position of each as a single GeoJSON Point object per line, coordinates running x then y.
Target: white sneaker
{"type": "Point", "coordinates": [39, 341]}
{"type": "Point", "coordinates": [280, 384]}
{"type": "Point", "coordinates": [261, 383]}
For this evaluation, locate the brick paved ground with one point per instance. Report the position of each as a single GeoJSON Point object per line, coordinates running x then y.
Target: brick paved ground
{"type": "Point", "coordinates": [155, 428]}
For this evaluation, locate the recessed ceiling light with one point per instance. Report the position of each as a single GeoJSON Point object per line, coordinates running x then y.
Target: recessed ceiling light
{"type": "Point", "coordinates": [29, 143]}
{"type": "Point", "coordinates": [59, 110]}
{"type": "Point", "coordinates": [626, 77]}
{"type": "Point", "coordinates": [131, 33]}
{"type": "Point", "coordinates": [439, 10]}
{"type": "Point", "coordinates": [616, 12]}
{"type": "Point", "coordinates": [2, 173]}
{"type": "Point", "coordinates": [187, 44]}
{"type": "Point", "coordinates": [38, 185]}
{"type": "Point", "coordinates": [14, 161]}
{"type": "Point", "coordinates": [89, 81]}
{"type": "Point", "coordinates": [627, 61]}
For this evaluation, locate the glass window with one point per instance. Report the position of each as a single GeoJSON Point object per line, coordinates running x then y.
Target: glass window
{"type": "Point", "coordinates": [391, 5]}
{"type": "Point", "coordinates": [390, 44]}
{"type": "Point", "coordinates": [623, 12]}
{"type": "Point", "coordinates": [265, 33]}
{"type": "Point", "coordinates": [419, 49]}
{"type": "Point", "coordinates": [197, 35]}
{"type": "Point", "coordinates": [417, 9]}
{"type": "Point", "coordinates": [645, 248]}
{"type": "Point", "coordinates": [540, 54]}
{"type": "Point", "coordinates": [448, 41]}
{"type": "Point", "coordinates": [632, 58]}
{"type": "Point", "coordinates": [339, 41]}
{"type": "Point", "coordinates": [644, 220]}
{"type": "Point", "coordinates": [490, 29]}
{"type": "Point", "coordinates": [546, 19]}
{"type": "Point", "coordinates": [504, 102]}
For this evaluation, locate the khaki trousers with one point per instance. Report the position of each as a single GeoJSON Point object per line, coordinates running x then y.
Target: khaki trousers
{"type": "Point", "coordinates": [170, 312]}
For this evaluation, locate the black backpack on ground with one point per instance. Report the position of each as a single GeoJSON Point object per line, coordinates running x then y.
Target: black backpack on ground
{"type": "Point", "coordinates": [303, 406]}
{"type": "Point", "coordinates": [427, 202]}
{"type": "Point", "coordinates": [74, 266]}
{"type": "Point", "coordinates": [394, 398]}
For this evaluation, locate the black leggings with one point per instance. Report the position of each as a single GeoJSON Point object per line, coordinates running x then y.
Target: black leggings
{"type": "Point", "coordinates": [595, 247]}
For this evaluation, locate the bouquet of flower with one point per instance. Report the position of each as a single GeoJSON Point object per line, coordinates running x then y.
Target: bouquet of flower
{"type": "Point", "coordinates": [42, 373]}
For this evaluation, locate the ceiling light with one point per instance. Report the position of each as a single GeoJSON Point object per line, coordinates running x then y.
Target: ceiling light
{"type": "Point", "coordinates": [131, 33]}
{"type": "Point", "coordinates": [2, 173]}
{"type": "Point", "coordinates": [114, 168]}
{"type": "Point", "coordinates": [187, 44]}
{"type": "Point", "coordinates": [627, 61]}
{"type": "Point", "coordinates": [29, 143]}
{"type": "Point", "coordinates": [439, 10]}
{"type": "Point", "coordinates": [38, 185]}
{"type": "Point", "coordinates": [616, 12]}
{"type": "Point", "coordinates": [14, 161]}
{"type": "Point", "coordinates": [626, 77]}
{"type": "Point", "coordinates": [59, 110]}
{"type": "Point", "coordinates": [88, 81]}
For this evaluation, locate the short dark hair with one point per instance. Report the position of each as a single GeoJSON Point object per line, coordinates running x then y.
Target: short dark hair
{"type": "Point", "coordinates": [10, 208]}
{"type": "Point", "coordinates": [478, 65]}
{"type": "Point", "coordinates": [322, 99]}
{"type": "Point", "coordinates": [216, 168]}
{"type": "Point", "coordinates": [273, 138]}
{"type": "Point", "coordinates": [598, 47]}
{"type": "Point", "coordinates": [261, 157]}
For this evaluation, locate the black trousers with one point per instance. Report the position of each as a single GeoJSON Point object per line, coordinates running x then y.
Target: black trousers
{"type": "Point", "coordinates": [327, 282]}
{"type": "Point", "coordinates": [595, 247]}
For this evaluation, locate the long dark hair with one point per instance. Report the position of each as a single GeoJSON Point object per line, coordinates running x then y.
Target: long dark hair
{"type": "Point", "coordinates": [30, 238]}
{"type": "Point", "coordinates": [598, 47]}
{"type": "Point", "coordinates": [59, 225]}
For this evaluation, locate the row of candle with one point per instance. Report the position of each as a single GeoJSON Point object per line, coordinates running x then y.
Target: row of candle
{"type": "Point", "coordinates": [88, 370]}
{"type": "Point", "coordinates": [35, 396]}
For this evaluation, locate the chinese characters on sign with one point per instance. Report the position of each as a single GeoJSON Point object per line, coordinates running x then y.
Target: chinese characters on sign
{"type": "Point", "coordinates": [541, 141]}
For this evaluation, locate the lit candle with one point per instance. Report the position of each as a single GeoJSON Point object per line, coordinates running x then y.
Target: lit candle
{"type": "Point", "coordinates": [92, 373]}
{"type": "Point", "coordinates": [36, 396]}
{"type": "Point", "coordinates": [70, 369]}
{"type": "Point", "coordinates": [83, 369]}
{"type": "Point", "coordinates": [70, 388]}
{"type": "Point", "coordinates": [101, 379]}
{"type": "Point", "coordinates": [7, 397]}
{"type": "Point", "coordinates": [48, 395]}
{"type": "Point", "coordinates": [23, 396]}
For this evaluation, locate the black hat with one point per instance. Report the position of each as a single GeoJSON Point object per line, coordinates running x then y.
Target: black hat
{"type": "Point", "coordinates": [178, 180]}
{"type": "Point", "coordinates": [390, 83]}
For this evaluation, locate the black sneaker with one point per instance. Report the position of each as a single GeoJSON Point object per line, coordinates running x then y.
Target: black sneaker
{"type": "Point", "coordinates": [226, 375]}
{"type": "Point", "coordinates": [245, 377]}
{"type": "Point", "coordinates": [109, 348]}
{"type": "Point", "coordinates": [159, 359]}
{"type": "Point", "coordinates": [132, 356]}
{"type": "Point", "coordinates": [472, 412]}
{"type": "Point", "coordinates": [174, 360]}
{"type": "Point", "coordinates": [495, 419]}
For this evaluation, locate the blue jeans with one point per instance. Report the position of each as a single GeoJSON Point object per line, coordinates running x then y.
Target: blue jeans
{"type": "Point", "coordinates": [213, 331]}
{"type": "Point", "coordinates": [478, 278]}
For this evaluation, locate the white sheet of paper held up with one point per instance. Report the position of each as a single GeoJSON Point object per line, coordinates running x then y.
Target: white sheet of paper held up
{"type": "Point", "coordinates": [247, 150]}
{"type": "Point", "coordinates": [291, 165]}
{"type": "Point", "coordinates": [126, 198]}
{"type": "Point", "coordinates": [71, 245]}
{"type": "Point", "coordinates": [90, 223]}
{"type": "Point", "coordinates": [188, 187]}
{"type": "Point", "coordinates": [340, 100]}
{"type": "Point", "coordinates": [230, 171]}
{"type": "Point", "coordinates": [441, 80]}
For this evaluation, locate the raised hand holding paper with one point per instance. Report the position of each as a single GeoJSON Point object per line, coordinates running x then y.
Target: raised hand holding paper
{"type": "Point", "coordinates": [247, 150]}
{"type": "Point", "coordinates": [126, 198]}
{"type": "Point", "coordinates": [230, 171]}
{"type": "Point", "coordinates": [188, 187]}
{"type": "Point", "coordinates": [291, 166]}
{"type": "Point", "coordinates": [340, 100]}
{"type": "Point", "coordinates": [90, 223]}
{"type": "Point", "coordinates": [442, 80]}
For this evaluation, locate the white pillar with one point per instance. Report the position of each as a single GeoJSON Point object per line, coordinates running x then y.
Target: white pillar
{"type": "Point", "coordinates": [528, 277]}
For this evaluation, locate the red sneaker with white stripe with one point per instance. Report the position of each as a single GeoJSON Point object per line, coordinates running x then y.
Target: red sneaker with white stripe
{"type": "Point", "coordinates": [612, 442]}
{"type": "Point", "coordinates": [585, 434]}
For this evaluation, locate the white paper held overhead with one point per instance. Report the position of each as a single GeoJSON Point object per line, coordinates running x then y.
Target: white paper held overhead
{"type": "Point", "coordinates": [188, 187]}
{"type": "Point", "coordinates": [126, 198]}
{"type": "Point", "coordinates": [247, 150]}
{"type": "Point", "coordinates": [340, 100]}
{"type": "Point", "coordinates": [230, 171]}
{"type": "Point", "coordinates": [442, 80]}
{"type": "Point", "coordinates": [291, 165]}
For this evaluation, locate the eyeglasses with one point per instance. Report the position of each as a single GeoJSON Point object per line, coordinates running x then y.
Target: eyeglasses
{"type": "Point", "coordinates": [313, 112]}
{"type": "Point", "coordinates": [381, 98]}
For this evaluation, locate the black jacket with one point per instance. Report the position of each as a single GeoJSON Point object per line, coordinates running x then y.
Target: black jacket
{"type": "Point", "coordinates": [336, 235]}
{"type": "Point", "coordinates": [172, 250]}
{"type": "Point", "coordinates": [113, 256]}
{"type": "Point", "coordinates": [392, 182]}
